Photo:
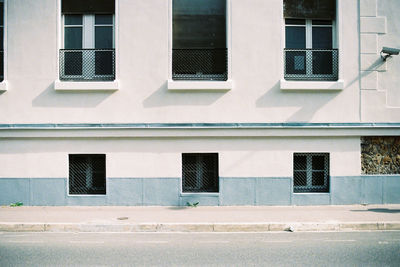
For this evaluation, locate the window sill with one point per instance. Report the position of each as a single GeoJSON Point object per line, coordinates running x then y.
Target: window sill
{"type": "Point", "coordinates": [199, 194]}
{"type": "Point", "coordinates": [311, 85]}
{"type": "Point", "coordinates": [200, 85]}
{"type": "Point", "coordinates": [86, 86]}
{"type": "Point", "coordinates": [3, 86]}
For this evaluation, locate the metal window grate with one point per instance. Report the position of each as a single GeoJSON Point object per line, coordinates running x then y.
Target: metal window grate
{"type": "Point", "coordinates": [1, 65]}
{"type": "Point", "coordinates": [200, 64]}
{"type": "Point", "coordinates": [310, 172]}
{"type": "Point", "coordinates": [87, 174]}
{"type": "Point", "coordinates": [200, 172]}
{"type": "Point", "coordinates": [87, 64]}
{"type": "Point", "coordinates": [311, 64]}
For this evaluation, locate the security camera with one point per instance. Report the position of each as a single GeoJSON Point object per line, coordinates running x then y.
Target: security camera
{"type": "Point", "coordinates": [388, 51]}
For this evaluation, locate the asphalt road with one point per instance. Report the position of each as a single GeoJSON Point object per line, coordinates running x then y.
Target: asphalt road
{"type": "Point", "coordinates": [199, 249]}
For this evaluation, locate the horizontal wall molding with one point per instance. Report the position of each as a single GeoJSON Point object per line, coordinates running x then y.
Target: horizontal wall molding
{"type": "Point", "coordinates": [116, 130]}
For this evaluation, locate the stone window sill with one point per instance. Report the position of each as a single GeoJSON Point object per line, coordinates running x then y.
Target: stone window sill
{"type": "Point", "coordinates": [311, 85]}
{"type": "Point", "coordinates": [86, 86]}
{"type": "Point", "coordinates": [3, 86]}
{"type": "Point", "coordinates": [200, 85]}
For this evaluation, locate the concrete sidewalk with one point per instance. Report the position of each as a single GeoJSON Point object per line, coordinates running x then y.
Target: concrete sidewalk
{"type": "Point", "coordinates": [200, 219]}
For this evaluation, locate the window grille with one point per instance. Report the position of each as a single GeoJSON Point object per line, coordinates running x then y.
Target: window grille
{"type": "Point", "coordinates": [87, 174]}
{"type": "Point", "coordinates": [311, 64]}
{"type": "Point", "coordinates": [200, 172]}
{"type": "Point", "coordinates": [87, 64]}
{"type": "Point", "coordinates": [200, 64]}
{"type": "Point", "coordinates": [310, 172]}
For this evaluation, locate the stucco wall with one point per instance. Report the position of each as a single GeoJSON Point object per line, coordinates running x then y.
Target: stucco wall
{"type": "Point", "coordinates": [380, 94]}
{"type": "Point", "coordinates": [143, 42]}
{"type": "Point", "coordinates": [154, 157]}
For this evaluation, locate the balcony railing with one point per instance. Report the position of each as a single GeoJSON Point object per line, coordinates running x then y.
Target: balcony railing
{"type": "Point", "coordinates": [87, 64]}
{"type": "Point", "coordinates": [1, 65]}
{"type": "Point", "coordinates": [311, 64]}
{"type": "Point", "coordinates": [200, 64]}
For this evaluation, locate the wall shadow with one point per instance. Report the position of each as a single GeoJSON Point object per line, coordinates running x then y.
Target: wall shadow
{"type": "Point", "coordinates": [72, 99]}
{"type": "Point", "coordinates": [382, 210]}
{"type": "Point", "coordinates": [162, 97]}
{"type": "Point", "coordinates": [308, 102]}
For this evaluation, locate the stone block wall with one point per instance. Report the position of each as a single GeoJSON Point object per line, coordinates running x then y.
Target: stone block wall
{"type": "Point", "coordinates": [380, 155]}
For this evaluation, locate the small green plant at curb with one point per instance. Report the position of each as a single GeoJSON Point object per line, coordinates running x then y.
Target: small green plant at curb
{"type": "Point", "coordinates": [192, 204]}
{"type": "Point", "coordinates": [16, 204]}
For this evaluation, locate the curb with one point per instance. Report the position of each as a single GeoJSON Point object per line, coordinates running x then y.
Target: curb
{"type": "Point", "coordinates": [198, 227]}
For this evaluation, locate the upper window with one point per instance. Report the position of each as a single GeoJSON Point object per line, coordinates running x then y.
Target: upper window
{"type": "Point", "coordinates": [1, 40]}
{"type": "Point", "coordinates": [199, 50]}
{"type": "Point", "coordinates": [88, 41]}
{"type": "Point", "coordinates": [310, 52]}
{"type": "Point", "coordinates": [200, 172]}
{"type": "Point", "coordinates": [87, 174]}
{"type": "Point", "coordinates": [310, 172]}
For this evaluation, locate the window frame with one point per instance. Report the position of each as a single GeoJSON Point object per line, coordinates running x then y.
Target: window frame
{"type": "Point", "coordinates": [88, 41]}
{"type": "Point", "coordinates": [215, 171]}
{"type": "Point", "coordinates": [307, 85]}
{"type": "Point", "coordinates": [3, 83]}
{"type": "Point", "coordinates": [196, 85]}
{"type": "Point", "coordinates": [77, 86]}
{"type": "Point", "coordinates": [87, 170]}
{"type": "Point", "coordinates": [309, 188]}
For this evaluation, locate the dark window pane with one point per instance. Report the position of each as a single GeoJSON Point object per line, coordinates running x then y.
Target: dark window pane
{"type": "Point", "coordinates": [322, 62]}
{"type": "Point", "coordinates": [103, 37]}
{"type": "Point", "coordinates": [103, 19]}
{"type": "Point", "coordinates": [73, 38]}
{"type": "Point", "coordinates": [318, 162]}
{"type": "Point", "coordinates": [295, 21]}
{"type": "Point", "coordinates": [295, 62]}
{"type": "Point", "coordinates": [1, 38]}
{"type": "Point", "coordinates": [322, 37]}
{"type": "Point", "coordinates": [200, 172]}
{"type": "Point", "coordinates": [295, 37]}
{"type": "Point", "coordinates": [322, 22]}
{"type": "Point", "coordinates": [300, 178]}
{"type": "Point", "coordinates": [87, 174]}
{"type": "Point", "coordinates": [318, 178]}
{"type": "Point", "coordinates": [104, 62]}
{"type": "Point", "coordinates": [1, 66]}
{"type": "Point", "coordinates": [73, 20]}
{"type": "Point", "coordinates": [199, 24]}
{"type": "Point", "coordinates": [73, 63]}
{"type": "Point", "coordinates": [300, 162]}
{"type": "Point", "coordinates": [1, 14]}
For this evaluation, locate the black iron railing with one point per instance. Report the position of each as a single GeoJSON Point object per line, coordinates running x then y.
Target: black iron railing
{"type": "Point", "coordinates": [87, 64]}
{"type": "Point", "coordinates": [200, 64]}
{"type": "Point", "coordinates": [1, 65]}
{"type": "Point", "coordinates": [311, 64]}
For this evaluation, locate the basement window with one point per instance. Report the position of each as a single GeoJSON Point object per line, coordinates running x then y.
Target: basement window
{"type": "Point", "coordinates": [87, 174]}
{"type": "Point", "coordinates": [310, 172]}
{"type": "Point", "coordinates": [200, 172]}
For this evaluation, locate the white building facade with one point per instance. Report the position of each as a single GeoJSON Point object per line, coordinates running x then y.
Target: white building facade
{"type": "Point", "coordinates": [221, 102]}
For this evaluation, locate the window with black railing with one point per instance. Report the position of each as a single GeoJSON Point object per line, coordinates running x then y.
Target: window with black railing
{"type": "Point", "coordinates": [311, 64]}
{"type": "Point", "coordinates": [1, 41]}
{"type": "Point", "coordinates": [87, 64]}
{"type": "Point", "coordinates": [199, 40]}
{"type": "Point", "coordinates": [310, 39]}
{"type": "Point", "coordinates": [88, 53]}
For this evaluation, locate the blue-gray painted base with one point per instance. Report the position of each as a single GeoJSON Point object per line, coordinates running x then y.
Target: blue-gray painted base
{"type": "Point", "coordinates": [367, 189]}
